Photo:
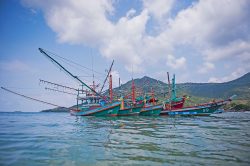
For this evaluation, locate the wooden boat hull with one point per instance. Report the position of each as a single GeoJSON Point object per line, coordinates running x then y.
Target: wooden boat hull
{"type": "Point", "coordinates": [200, 110]}
{"type": "Point", "coordinates": [132, 111]}
{"type": "Point", "coordinates": [108, 110]}
{"type": "Point", "coordinates": [151, 111]}
{"type": "Point", "coordinates": [176, 104]}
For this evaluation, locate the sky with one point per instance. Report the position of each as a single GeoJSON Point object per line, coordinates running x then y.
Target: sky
{"type": "Point", "coordinates": [199, 41]}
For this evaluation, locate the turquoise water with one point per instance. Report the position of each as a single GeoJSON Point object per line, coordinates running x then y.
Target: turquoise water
{"type": "Point", "coordinates": [61, 139]}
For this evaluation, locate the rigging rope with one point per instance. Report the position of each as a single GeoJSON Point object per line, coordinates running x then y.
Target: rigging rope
{"type": "Point", "coordinates": [74, 62]}
{"type": "Point", "coordinates": [31, 98]}
{"type": "Point", "coordinates": [73, 66]}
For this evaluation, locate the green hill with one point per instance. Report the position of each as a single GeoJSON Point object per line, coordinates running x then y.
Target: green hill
{"type": "Point", "coordinates": [240, 87]}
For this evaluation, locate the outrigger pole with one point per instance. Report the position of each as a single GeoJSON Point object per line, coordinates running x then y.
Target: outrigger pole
{"type": "Point", "coordinates": [75, 77]}
{"type": "Point", "coordinates": [62, 86]}
{"type": "Point", "coordinates": [46, 88]}
{"type": "Point", "coordinates": [56, 84]}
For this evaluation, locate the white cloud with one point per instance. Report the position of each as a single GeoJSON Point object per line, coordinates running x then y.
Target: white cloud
{"type": "Point", "coordinates": [206, 67]}
{"type": "Point", "coordinates": [126, 44]}
{"type": "Point", "coordinates": [208, 23]}
{"type": "Point", "coordinates": [77, 22]}
{"type": "Point", "coordinates": [130, 13]}
{"type": "Point", "coordinates": [174, 63]}
{"type": "Point", "coordinates": [217, 33]}
{"type": "Point", "coordinates": [236, 49]}
{"type": "Point", "coordinates": [217, 30]}
{"type": "Point", "coordinates": [158, 8]}
{"type": "Point", "coordinates": [235, 74]}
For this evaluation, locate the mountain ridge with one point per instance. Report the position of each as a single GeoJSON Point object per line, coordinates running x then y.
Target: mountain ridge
{"type": "Point", "coordinates": [239, 86]}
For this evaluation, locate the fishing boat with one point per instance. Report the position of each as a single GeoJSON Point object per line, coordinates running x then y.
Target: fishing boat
{"type": "Point", "coordinates": [130, 107]}
{"type": "Point", "coordinates": [144, 106]}
{"type": "Point", "coordinates": [150, 110]}
{"type": "Point", "coordinates": [175, 106]}
{"type": "Point", "coordinates": [93, 103]}
{"type": "Point", "coordinates": [108, 110]}
{"type": "Point", "coordinates": [173, 102]}
{"type": "Point", "coordinates": [95, 108]}
{"type": "Point", "coordinates": [198, 110]}
{"type": "Point", "coordinates": [176, 103]}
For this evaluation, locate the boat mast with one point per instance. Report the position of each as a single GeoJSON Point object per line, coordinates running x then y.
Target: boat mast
{"type": "Point", "coordinates": [169, 86]}
{"type": "Point", "coordinates": [169, 91]}
{"type": "Point", "coordinates": [133, 91]}
{"type": "Point", "coordinates": [173, 94]}
{"type": "Point", "coordinates": [107, 76]}
{"type": "Point", "coordinates": [60, 66]}
{"type": "Point", "coordinates": [110, 88]}
{"type": "Point", "coordinates": [77, 101]}
{"type": "Point", "coordinates": [153, 95]}
{"type": "Point", "coordinates": [119, 82]}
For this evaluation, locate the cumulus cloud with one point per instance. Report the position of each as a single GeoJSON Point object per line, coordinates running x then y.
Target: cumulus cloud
{"type": "Point", "coordinates": [126, 44]}
{"type": "Point", "coordinates": [158, 8]}
{"type": "Point", "coordinates": [217, 33]}
{"type": "Point", "coordinates": [235, 74]}
{"type": "Point", "coordinates": [130, 13]}
{"type": "Point", "coordinates": [176, 63]}
{"type": "Point", "coordinates": [207, 23]}
{"type": "Point", "coordinates": [236, 49]}
{"type": "Point", "coordinates": [77, 22]}
{"type": "Point", "coordinates": [206, 67]}
{"type": "Point", "coordinates": [86, 22]}
{"type": "Point", "coordinates": [217, 30]}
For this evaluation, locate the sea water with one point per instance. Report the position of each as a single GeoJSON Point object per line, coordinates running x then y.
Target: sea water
{"type": "Point", "coordinates": [61, 139]}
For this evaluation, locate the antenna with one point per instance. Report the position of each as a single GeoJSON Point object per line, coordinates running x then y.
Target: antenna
{"type": "Point", "coordinates": [133, 91]}
{"type": "Point", "coordinates": [92, 59]}
{"type": "Point", "coordinates": [132, 71]}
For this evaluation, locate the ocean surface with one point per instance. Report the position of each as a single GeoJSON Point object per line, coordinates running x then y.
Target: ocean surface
{"type": "Point", "coordinates": [60, 139]}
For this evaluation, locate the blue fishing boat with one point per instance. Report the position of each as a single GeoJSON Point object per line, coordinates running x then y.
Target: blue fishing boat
{"type": "Point", "coordinates": [198, 110]}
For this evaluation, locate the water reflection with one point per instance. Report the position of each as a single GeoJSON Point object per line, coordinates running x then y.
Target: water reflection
{"type": "Point", "coordinates": [157, 140]}
{"type": "Point", "coordinates": [60, 139]}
